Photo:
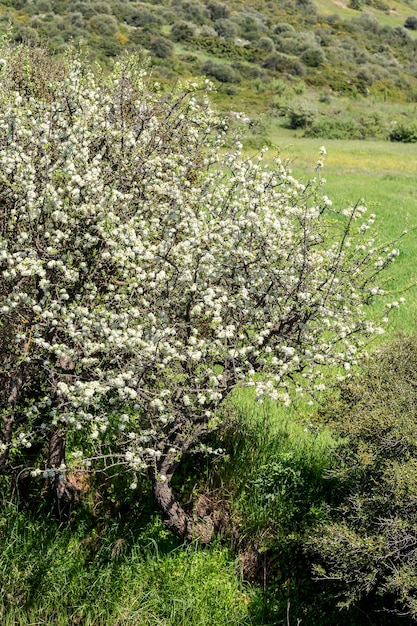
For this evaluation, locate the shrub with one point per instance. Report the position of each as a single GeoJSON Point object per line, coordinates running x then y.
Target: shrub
{"type": "Point", "coordinates": [182, 31]}
{"type": "Point", "coordinates": [301, 114]}
{"type": "Point", "coordinates": [221, 72]}
{"type": "Point", "coordinates": [226, 28]}
{"type": "Point", "coordinates": [405, 132]}
{"type": "Point", "coordinates": [140, 16]}
{"type": "Point", "coordinates": [283, 28]}
{"type": "Point", "coordinates": [298, 69]}
{"type": "Point", "coordinates": [313, 57]}
{"type": "Point", "coordinates": [105, 25]}
{"type": "Point", "coordinates": [192, 11]}
{"type": "Point", "coordinates": [334, 128]}
{"type": "Point", "coordinates": [266, 43]}
{"type": "Point", "coordinates": [77, 19]}
{"type": "Point", "coordinates": [367, 550]}
{"type": "Point", "coordinates": [217, 10]}
{"type": "Point", "coordinates": [162, 47]}
{"type": "Point", "coordinates": [411, 22]}
{"type": "Point", "coordinates": [88, 9]}
{"type": "Point", "coordinates": [278, 61]}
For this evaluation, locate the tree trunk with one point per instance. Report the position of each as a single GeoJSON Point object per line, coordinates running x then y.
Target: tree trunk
{"type": "Point", "coordinates": [173, 515]}
{"type": "Point", "coordinates": [176, 519]}
{"type": "Point", "coordinates": [8, 420]}
{"type": "Point", "coordinates": [7, 438]}
{"type": "Point", "coordinates": [64, 492]}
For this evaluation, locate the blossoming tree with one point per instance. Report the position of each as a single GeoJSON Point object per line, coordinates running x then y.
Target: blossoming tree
{"type": "Point", "coordinates": [146, 271]}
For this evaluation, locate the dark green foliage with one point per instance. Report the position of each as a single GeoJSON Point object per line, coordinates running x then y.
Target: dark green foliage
{"type": "Point", "coordinates": [278, 61]}
{"type": "Point", "coordinates": [43, 6]}
{"type": "Point", "coordinates": [88, 9]}
{"type": "Point", "coordinates": [77, 19]}
{"type": "Point", "coordinates": [27, 35]}
{"type": "Point", "coordinates": [366, 551]}
{"type": "Point", "coordinates": [182, 31]}
{"type": "Point", "coordinates": [104, 24]}
{"type": "Point", "coordinates": [411, 22]}
{"type": "Point", "coordinates": [140, 17]}
{"type": "Point", "coordinates": [222, 73]}
{"type": "Point", "coordinates": [191, 11]}
{"type": "Point", "coordinates": [301, 114]}
{"type": "Point", "coordinates": [226, 28]}
{"type": "Point", "coordinates": [283, 28]}
{"type": "Point", "coordinates": [365, 76]}
{"type": "Point", "coordinates": [217, 10]}
{"type": "Point", "coordinates": [334, 127]}
{"type": "Point", "coordinates": [297, 69]}
{"type": "Point", "coordinates": [266, 43]}
{"type": "Point", "coordinates": [405, 132]}
{"type": "Point", "coordinates": [313, 57]}
{"type": "Point", "coordinates": [162, 47]}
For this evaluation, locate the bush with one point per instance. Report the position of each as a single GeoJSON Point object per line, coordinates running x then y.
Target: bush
{"type": "Point", "coordinates": [157, 255]}
{"type": "Point", "coordinates": [221, 72]}
{"type": "Point", "coordinates": [411, 22]}
{"type": "Point", "coordinates": [162, 48]}
{"type": "Point", "coordinates": [182, 31]}
{"type": "Point", "coordinates": [266, 43]}
{"type": "Point", "coordinates": [283, 28]}
{"type": "Point", "coordinates": [298, 69]}
{"type": "Point", "coordinates": [313, 57]}
{"type": "Point", "coordinates": [404, 132]}
{"type": "Point", "coordinates": [140, 16]}
{"type": "Point", "coordinates": [226, 28]}
{"type": "Point", "coordinates": [105, 25]}
{"type": "Point", "coordinates": [334, 128]}
{"type": "Point", "coordinates": [191, 11]}
{"type": "Point", "coordinates": [301, 114]}
{"type": "Point", "coordinates": [367, 551]}
{"type": "Point", "coordinates": [278, 61]}
{"type": "Point", "coordinates": [88, 9]}
{"type": "Point", "coordinates": [217, 10]}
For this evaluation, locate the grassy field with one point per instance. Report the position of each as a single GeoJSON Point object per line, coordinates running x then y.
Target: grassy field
{"type": "Point", "coordinates": [395, 16]}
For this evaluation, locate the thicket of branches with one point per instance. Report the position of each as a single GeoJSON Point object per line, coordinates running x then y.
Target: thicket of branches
{"type": "Point", "coordinates": [146, 271]}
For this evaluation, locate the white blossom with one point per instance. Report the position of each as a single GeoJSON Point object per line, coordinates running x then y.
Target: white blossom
{"type": "Point", "coordinates": [140, 283]}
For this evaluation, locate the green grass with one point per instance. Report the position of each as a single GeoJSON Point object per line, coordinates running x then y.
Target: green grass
{"type": "Point", "coordinates": [382, 176]}
{"type": "Point", "coordinates": [100, 572]}
{"type": "Point", "coordinates": [106, 569]}
{"type": "Point", "coordinates": [398, 11]}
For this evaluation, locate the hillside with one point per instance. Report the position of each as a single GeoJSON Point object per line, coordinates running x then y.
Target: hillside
{"type": "Point", "coordinates": [334, 69]}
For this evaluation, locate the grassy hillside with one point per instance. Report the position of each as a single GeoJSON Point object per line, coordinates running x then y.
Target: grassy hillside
{"type": "Point", "coordinates": [326, 68]}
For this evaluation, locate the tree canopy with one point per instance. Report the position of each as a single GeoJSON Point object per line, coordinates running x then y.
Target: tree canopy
{"type": "Point", "coordinates": [147, 269]}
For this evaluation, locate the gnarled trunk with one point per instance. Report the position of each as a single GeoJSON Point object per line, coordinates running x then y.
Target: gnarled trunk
{"type": "Point", "coordinates": [64, 492]}
{"type": "Point", "coordinates": [174, 517]}
{"type": "Point", "coordinates": [7, 433]}
{"type": "Point", "coordinates": [9, 417]}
